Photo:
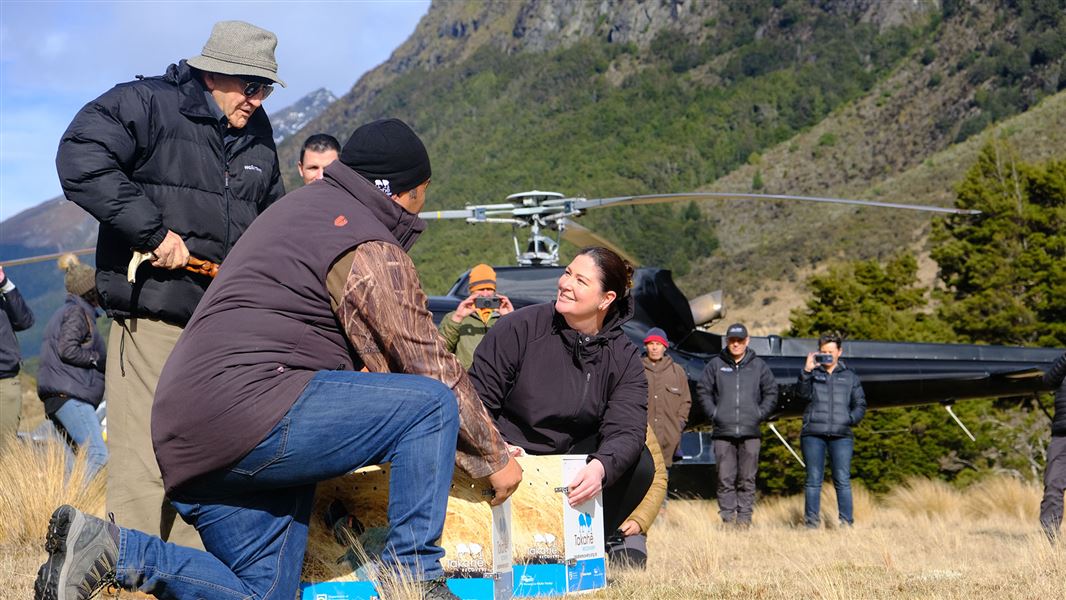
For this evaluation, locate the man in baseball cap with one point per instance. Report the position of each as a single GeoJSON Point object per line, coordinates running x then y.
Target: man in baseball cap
{"type": "Point", "coordinates": [738, 391]}
{"type": "Point", "coordinates": [177, 164]}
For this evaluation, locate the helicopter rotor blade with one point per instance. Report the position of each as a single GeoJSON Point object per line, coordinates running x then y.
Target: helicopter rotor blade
{"type": "Point", "coordinates": [689, 196]}
{"type": "Point", "coordinates": [43, 257]}
{"type": "Point", "coordinates": [582, 236]}
{"type": "Point", "coordinates": [434, 215]}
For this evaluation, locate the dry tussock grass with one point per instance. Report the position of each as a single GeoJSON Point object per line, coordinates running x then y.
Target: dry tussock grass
{"type": "Point", "coordinates": [923, 540]}
{"type": "Point", "coordinates": [34, 484]}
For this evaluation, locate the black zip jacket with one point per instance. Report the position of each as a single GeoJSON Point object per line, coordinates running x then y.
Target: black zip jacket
{"type": "Point", "coordinates": [73, 357]}
{"type": "Point", "coordinates": [836, 401]}
{"type": "Point", "coordinates": [737, 395]}
{"type": "Point", "coordinates": [153, 155]}
{"type": "Point", "coordinates": [14, 316]}
{"type": "Point", "coordinates": [548, 387]}
{"type": "Point", "coordinates": [1056, 377]}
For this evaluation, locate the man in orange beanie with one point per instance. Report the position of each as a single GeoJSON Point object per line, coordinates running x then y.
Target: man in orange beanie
{"type": "Point", "coordinates": [463, 328]}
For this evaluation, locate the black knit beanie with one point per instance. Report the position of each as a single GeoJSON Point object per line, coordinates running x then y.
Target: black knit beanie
{"type": "Point", "coordinates": [389, 154]}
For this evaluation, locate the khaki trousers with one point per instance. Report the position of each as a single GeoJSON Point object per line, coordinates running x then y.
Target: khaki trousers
{"type": "Point", "coordinates": [10, 408]}
{"type": "Point", "coordinates": [136, 352]}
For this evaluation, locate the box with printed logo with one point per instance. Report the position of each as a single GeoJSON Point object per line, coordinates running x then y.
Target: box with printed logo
{"type": "Point", "coordinates": [533, 545]}
{"type": "Point", "coordinates": [558, 549]}
{"type": "Point", "coordinates": [349, 525]}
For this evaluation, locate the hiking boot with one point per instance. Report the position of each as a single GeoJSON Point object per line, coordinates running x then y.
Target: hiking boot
{"type": "Point", "coordinates": [437, 589]}
{"type": "Point", "coordinates": [81, 557]}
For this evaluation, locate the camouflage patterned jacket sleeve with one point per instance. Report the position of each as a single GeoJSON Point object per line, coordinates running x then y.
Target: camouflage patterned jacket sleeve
{"type": "Point", "coordinates": [383, 311]}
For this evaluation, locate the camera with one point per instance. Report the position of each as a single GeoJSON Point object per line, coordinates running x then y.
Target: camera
{"type": "Point", "coordinates": [487, 302]}
{"type": "Point", "coordinates": [823, 358]}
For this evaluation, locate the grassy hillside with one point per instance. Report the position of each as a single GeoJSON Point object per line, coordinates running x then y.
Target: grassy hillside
{"type": "Point", "coordinates": [774, 96]}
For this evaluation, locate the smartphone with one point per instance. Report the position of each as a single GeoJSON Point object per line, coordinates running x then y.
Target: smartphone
{"type": "Point", "coordinates": [822, 358]}
{"type": "Point", "coordinates": [487, 302]}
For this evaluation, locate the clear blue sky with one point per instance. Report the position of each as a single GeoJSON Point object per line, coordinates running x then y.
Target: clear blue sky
{"type": "Point", "coordinates": [57, 56]}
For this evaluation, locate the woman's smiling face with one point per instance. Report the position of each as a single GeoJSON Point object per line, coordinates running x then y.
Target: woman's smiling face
{"type": "Point", "coordinates": [580, 292]}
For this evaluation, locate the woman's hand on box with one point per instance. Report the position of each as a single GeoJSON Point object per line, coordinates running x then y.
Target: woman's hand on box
{"type": "Point", "coordinates": [588, 483]}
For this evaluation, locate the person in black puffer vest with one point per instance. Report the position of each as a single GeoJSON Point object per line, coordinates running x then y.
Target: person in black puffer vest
{"type": "Point", "coordinates": [177, 165]}
{"type": "Point", "coordinates": [1055, 471]}
{"type": "Point", "coordinates": [836, 403]}
{"type": "Point", "coordinates": [70, 380]}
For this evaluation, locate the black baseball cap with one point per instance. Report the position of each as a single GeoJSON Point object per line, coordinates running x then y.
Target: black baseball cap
{"type": "Point", "coordinates": [736, 330]}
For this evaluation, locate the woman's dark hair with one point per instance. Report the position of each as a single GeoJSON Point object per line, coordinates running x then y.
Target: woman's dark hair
{"type": "Point", "coordinates": [833, 337]}
{"type": "Point", "coordinates": [616, 274]}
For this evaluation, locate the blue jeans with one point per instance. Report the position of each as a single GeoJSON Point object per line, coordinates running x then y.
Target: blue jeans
{"type": "Point", "coordinates": [253, 516]}
{"type": "Point", "coordinates": [814, 450]}
{"type": "Point", "coordinates": [82, 426]}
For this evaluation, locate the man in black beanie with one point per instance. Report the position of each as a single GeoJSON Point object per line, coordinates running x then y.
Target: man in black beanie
{"type": "Point", "coordinates": [319, 288]}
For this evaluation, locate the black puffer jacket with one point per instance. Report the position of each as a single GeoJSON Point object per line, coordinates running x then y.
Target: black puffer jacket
{"type": "Point", "coordinates": [73, 357]}
{"type": "Point", "coordinates": [153, 155]}
{"type": "Point", "coordinates": [737, 395]}
{"type": "Point", "coordinates": [836, 401]}
{"type": "Point", "coordinates": [1056, 378]}
{"type": "Point", "coordinates": [548, 387]}
{"type": "Point", "coordinates": [14, 316]}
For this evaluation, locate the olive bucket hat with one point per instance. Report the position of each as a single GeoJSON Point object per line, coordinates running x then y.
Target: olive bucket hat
{"type": "Point", "coordinates": [239, 48]}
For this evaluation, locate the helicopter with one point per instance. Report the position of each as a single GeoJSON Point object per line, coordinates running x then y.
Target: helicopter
{"type": "Point", "coordinates": [893, 373]}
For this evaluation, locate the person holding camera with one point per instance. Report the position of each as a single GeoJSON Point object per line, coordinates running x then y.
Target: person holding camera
{"type": "Point", "coordinates": [464, 328]}
{"type": "Point", "coordinates": [835, 404]}
{"type": "Point", "coordinates": [738, 391]}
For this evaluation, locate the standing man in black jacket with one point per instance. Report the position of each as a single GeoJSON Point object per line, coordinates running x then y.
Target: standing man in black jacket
{"type": "Point", "coordinates": [738, 391]}
{"type": "Point", "coordinates": [836, 403]}
{"type": "Point", "coordinates": [177, 165]}
{"type": "Point", "coordinates": [14, 316]}
{"type": "Point", "coordinates": [1055, 469]}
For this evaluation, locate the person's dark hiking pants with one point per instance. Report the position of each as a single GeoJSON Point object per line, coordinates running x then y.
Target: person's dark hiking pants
{"type": "Point", "coordinates": [1054, 487]}
{"type": "Point", "coordinates": [737, 460]}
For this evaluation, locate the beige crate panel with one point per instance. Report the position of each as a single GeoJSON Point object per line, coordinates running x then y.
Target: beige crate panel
{"type": "Point", "coordinates": [536, 510]}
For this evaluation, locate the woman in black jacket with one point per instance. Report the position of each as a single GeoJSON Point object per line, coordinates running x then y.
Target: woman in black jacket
{"type": "Point", "coordinates": [836, 403]}
{"type": "Point", "coordinates": [563, 378]}
{"type": "Point", "coordinates": [70, 380]}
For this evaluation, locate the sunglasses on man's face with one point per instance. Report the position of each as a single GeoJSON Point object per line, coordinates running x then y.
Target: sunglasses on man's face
{"type": "Point", "coordinates": [252, 89]}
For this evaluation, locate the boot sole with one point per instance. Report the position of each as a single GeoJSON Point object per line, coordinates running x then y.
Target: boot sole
{"type": "Point", "coordinates": [66, 524]}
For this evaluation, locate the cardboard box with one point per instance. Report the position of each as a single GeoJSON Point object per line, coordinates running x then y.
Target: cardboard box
{"type": "Point", "coordinates": [476, 540]}
{"type": "Point", "coordinates": [534, 544]}
{"type": "Point", "coordinates": [559, 549]}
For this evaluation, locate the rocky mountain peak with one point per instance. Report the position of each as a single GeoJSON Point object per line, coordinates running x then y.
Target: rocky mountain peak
{"type": "Point", "coordinates": [293, 118]}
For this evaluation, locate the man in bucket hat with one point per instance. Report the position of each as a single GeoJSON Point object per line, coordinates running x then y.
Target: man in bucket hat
{"type": "Point", "coordinates": [176, 165]}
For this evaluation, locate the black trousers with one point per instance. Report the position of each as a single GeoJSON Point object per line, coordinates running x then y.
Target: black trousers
{"type": "Point", "coordinates": [1054, 486]}
{"type": "Point", "coordinates": [625, 494]}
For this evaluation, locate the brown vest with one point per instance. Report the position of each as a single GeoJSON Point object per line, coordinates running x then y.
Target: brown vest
{"type": "Point", "coordinates": [265, 325]}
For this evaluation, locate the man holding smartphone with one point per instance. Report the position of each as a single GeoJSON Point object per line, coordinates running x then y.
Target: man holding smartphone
{"type": "Point", "coordinates": [464, 328]}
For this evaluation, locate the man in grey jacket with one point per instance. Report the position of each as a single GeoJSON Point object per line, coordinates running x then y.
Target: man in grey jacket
{"type": "Point", "coordinates": [738, 391]}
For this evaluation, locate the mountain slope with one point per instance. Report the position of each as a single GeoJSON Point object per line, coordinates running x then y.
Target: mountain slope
{"type": "Point", "coordinates": [654, 97]}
